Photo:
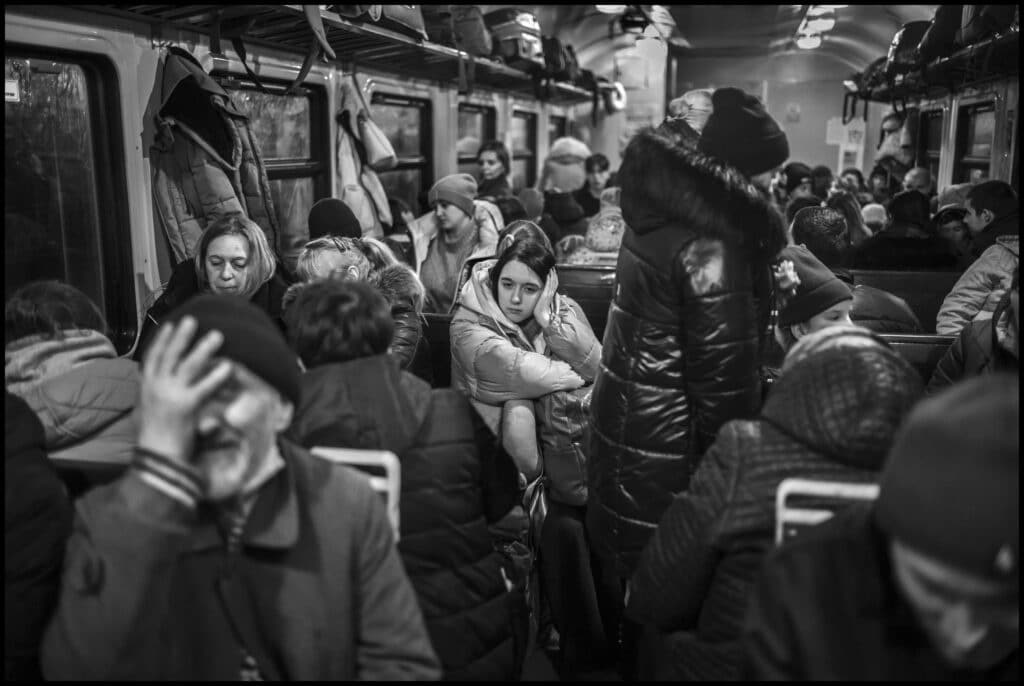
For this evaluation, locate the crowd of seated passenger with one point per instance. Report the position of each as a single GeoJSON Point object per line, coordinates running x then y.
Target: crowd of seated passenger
{"type": "Point", "coordinates": [610, 504]}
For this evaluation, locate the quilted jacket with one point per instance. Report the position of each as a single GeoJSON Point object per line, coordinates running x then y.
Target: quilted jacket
{"type": "Point", "coordinates": [681, 345]}
{"type": "Point", "coordinates": [831, 417]}
{"type": "Point", "coordinates": [977, 292]}
{"type": "Point", "coordinates": [452, 486]}
{"type": "Point", "coordinates": [206, 162]}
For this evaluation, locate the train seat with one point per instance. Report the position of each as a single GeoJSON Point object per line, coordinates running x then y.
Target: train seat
{"type": "Point", "coordinates": [800, 503]}
{"type": "Point", "coordinates": [381, 467]}
{"type": "Point", "coordinates": [921, 351]}
{"type": "Point", "coordinates": [923, 291]}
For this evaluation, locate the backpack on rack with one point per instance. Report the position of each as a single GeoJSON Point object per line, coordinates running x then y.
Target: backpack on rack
{"type": "Point", "coordinates": [940, 38]}
{"type": "Point", "coordinates": [559, 60]}
{"type": "Point", "coordinates": [979, 22]}
{"type": "Point", "coordinates": [517, 38]}
{"type": "Point", "coordinates": [903, 55]}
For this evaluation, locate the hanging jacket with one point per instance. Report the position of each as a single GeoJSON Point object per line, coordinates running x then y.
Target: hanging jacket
{"type": "Point", "coordinates": [205, 160]}
{"type": "Point", "coordinates": [977, 292]}
{"type": "Point", "coordinates": [831, 417]}
{"type": "Point", "coordinates": [681, 343]}
{"type": "Point", "coordinates": [453, 484]}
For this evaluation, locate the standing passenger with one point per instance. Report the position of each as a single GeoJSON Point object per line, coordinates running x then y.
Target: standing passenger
{"type": "Point", "coordinates": [681, 344]}
{"type": "Point", "coordinates": [227, 552]}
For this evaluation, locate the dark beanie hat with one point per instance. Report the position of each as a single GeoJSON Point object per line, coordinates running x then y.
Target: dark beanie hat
{"type": "Point", "coordinates": [742, 134]}
{"type": "Point", "coordinates": [796, 174]}
{"type": "Point", "coordinates": [950, 488]}
{"type": "Point", "coordinates": [455, 189]}
{"type": "Point", "coordinates": [332, 217]}
{"type": "Point", "coordinates": [250, 338]}
{"type": "Point", "coordinates": [818, 290]}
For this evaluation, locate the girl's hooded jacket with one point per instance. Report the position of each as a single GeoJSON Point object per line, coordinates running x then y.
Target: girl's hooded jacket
{"type": "Point", "coordinates": [681, 348]}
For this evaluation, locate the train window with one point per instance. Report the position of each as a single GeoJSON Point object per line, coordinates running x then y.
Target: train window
{"type": "Point", "coordinates": [476, 126]}
{"type": "Point", "coordinates": [557, 127]}
{"type": "Point", "coordinates": [65, 216]}
{"type": "Point", "coordinates": [523, 130]}
{"type": "Point", "coordinates": [930, 141]}
{"type": "Point", "coordinates": [977, 125]}
{"type": "Point", "coordinates": [290, 131]}
{"type": "Point", "coordinates": [406, 123]}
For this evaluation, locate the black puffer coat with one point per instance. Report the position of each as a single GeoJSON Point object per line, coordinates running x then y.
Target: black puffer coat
{"type": "Point", "coordinates": [453, 484]}
{"type": "Point", "coordinates": [681, 345]}
{"type": "Point", "coordinates": [831, 417]}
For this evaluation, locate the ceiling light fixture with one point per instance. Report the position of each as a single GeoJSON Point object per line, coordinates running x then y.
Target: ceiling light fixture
{"type": "Point", "coordinates": [818, 25]}
{"type": "Point", "coordinates": [611, 9]}
{"type": "Point", "coordinates": [808, 42]}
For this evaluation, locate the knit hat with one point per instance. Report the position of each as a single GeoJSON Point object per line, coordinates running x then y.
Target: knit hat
{"type": "Point", "coordinates": [455, 189]}
{"type": "Point", "coordinates": [332, 217]}
{"type": "Point", "coordinates": [569, 149]}
{"type": "Point", "coordinates": [796, 174]}
{"type": "Point", "coordinates": [873, 213]}
{"type": "Point", "coordinates": [818, 288]}
{"type": "Point", "coordinates": [950, 487]}
{"type": "Point", "coordinates": [250, 338]}
{"type": "Point", "coordinates": [954, 195]}
{"type": "Point", "coordinates": [742, 134]}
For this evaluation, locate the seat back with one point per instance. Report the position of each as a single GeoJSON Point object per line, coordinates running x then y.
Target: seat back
{"type": "Point", "coordinates": [592, 287]}
{"type": "Point", "coordinates": [381, 467]}
{"type": "Point", "coordinates": [923, 291]}
{"type": "Point", "coordinates": [437, 329]}
{"type": "Point", "coordinates": [821, 500]}
{"type": "Point", "coordinates": [921, 351]}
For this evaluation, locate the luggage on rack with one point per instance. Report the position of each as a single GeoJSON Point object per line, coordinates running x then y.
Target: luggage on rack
{"type": "Point", "coordinates": [517, 38]}
{"type": "Point", "coordinates": [940, 38]}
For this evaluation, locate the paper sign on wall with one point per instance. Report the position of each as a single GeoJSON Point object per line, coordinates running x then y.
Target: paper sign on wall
{"type": "Point", "coordinates": [12, 90]}
{"type": "Point", "coordinates": [851, 134]}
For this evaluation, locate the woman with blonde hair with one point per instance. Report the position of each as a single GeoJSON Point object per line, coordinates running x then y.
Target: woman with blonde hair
{"type": "Point", "coordinates": [370, 260]}
{"type": "Point", "coordinates": [232, 258]}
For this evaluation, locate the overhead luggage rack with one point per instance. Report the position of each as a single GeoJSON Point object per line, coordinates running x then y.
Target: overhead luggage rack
{"type": "Point", "coordinates": [993, 58]}
{"type": "Point", "coordinates": [362, 44]}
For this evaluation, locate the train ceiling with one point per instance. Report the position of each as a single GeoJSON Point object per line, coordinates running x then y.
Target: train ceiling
{"type": "Point", "coordinates": [763, 34]}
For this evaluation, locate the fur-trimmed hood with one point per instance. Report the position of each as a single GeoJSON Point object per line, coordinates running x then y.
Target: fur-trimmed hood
{"type": "Point", "coordinates": [400, 286]}
{"type": "Point", "coordinates": [664, 184]}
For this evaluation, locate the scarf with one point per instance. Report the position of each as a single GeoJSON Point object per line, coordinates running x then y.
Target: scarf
{"type": "Point", "coordinates": [31, 360]}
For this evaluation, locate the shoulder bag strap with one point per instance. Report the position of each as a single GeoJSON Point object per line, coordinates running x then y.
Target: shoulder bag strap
{"type": "Point", "coordinates": [237, 607]}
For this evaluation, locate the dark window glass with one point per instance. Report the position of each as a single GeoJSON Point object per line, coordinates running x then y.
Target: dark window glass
{"type": "Point", "coordinates": [64, 214]}
{"type": "Point", "coordinates": [974, 142]}
{"type": "Point", "coordinates": [476, 126]}
{"type": "Point", "coordinates": [290, 131]}
{"type": "Point", "coordinates": [930, 141]}
{"type": "Point", "coordinates": [406, 123]}
{"type": "Point", "coordinates": [556, 128]}
{"type": "Point", "coordinates": [523, 133]}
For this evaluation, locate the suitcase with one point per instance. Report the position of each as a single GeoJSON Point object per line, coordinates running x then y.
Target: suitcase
{"type": "Point", "coordinates": [517, 38]}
